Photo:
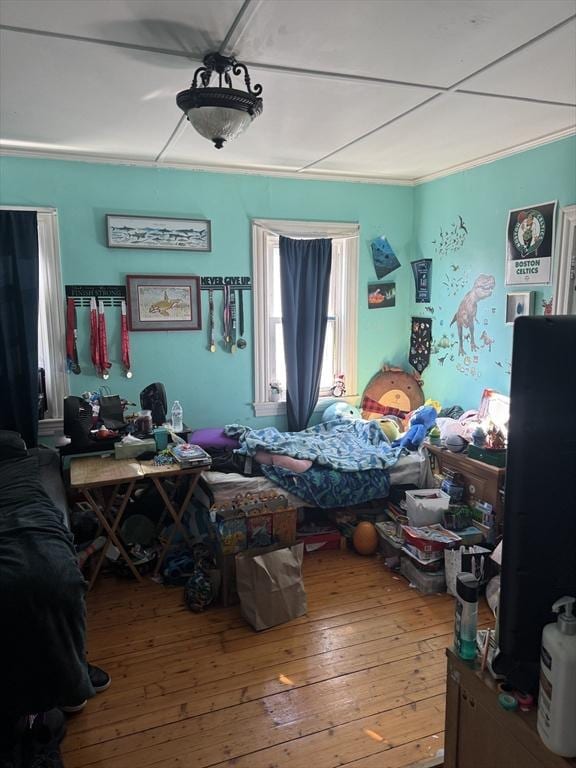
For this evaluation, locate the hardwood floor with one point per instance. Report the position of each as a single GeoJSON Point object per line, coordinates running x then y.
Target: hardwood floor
{"type": "Point", "coordinates": [358, 682]}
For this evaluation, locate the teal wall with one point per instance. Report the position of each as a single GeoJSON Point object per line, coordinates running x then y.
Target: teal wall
{"type": "Point", "coordinates": [218, 388]}
{"type": "Point", "coordinates": [482, 197]}
{"type": "Point", "coordinates": [213, 388]}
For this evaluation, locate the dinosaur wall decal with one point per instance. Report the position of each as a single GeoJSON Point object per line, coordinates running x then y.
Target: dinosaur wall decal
{"type": "Point", "coordinates": [465, 316]}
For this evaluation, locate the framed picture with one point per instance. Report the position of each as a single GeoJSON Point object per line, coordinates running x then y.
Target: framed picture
{"type": "Point", "coordinates": [163, 302]}
{"type": "Point", "coordinates": [157, 233]}
{"type": "Point", "coordinates": [518, 305]}
{"type": "Point", "coordinates": [530, 244]}
{"type": "Point", "coordinates": [381, 295]}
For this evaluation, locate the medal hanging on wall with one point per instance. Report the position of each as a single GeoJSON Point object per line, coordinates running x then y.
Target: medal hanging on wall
{"type": "Point", "coordinates": [94, 337]}
{"type": "Point", "coordinates": [125, 341]}
{"type": "Point", "coordinates": [232, 321]}
{"type": "Point", "coordinates": [226, 315]}
{"type": "Point", "coordinates": [212, 341]}
{"type": "Point", "coordinates": [105, 364]}
{"type": "Point", "coordinates": [71, 337]}
{"type": "Point", "coordinates": [241, 343]}
{"type": "Point", "coordinates": [420, 343]}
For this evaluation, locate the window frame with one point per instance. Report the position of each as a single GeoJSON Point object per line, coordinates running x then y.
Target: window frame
{"type": "Point", "coordinates": [265, 230]}
{"type": "Point", "coordinates": [564, 301]}
{"type": "Point", "coordinates": [57, 384]}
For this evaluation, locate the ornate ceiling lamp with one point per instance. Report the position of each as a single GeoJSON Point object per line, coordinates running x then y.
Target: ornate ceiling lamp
{"type": "Point", "coordinates": [220, 113]}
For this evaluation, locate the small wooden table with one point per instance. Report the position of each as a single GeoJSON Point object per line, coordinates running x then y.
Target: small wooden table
{"type": "Point", "coordinates": [480, 734]}
{"type": "Point", "coordinates": [87, 475]}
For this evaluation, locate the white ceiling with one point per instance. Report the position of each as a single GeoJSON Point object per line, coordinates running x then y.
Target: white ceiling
{"type": "Point", "coordinates": [376, 89]}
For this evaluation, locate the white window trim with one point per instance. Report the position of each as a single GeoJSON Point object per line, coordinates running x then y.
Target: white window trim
{"type": "Point", "coordinates": [55, 326]}
{"type": "Point", "coordinates": [563, 287]}
{"type": "Point", "coordinates": [261, 230]}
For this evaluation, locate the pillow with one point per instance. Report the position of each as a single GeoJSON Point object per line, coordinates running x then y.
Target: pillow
{"type": "Point", "coordinates": [11, 445]}
{"type": "Point", "coordinates": [212, 437]}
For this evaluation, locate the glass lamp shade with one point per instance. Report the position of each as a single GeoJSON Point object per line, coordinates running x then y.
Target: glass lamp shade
{"type": "Point", "coordinates": [219, 124]}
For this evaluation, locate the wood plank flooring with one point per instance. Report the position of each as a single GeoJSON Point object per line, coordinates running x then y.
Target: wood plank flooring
{"type": "Point", "coordinates": [358, 682]}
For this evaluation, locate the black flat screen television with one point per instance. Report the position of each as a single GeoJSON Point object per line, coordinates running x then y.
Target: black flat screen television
{"type": "Point", "coordinates": [539, 547]}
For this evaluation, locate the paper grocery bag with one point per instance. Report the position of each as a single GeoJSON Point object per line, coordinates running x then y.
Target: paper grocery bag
{"type": "Point", "coordinates": [270, 586]}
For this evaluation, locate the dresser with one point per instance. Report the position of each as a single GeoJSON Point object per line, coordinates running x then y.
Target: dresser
{"type": "Point", "coordinates": [482, 482]}
{"type": "Point", "coordinates": [480, 734]}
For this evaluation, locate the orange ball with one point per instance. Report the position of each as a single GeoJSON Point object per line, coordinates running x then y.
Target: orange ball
{"type": "Point", "coordinates": [365, 538]}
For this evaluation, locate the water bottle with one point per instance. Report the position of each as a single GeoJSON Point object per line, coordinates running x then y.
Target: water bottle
{"type": "Point", "coordinates": [466, 620]}
{"type": "Point", "coordinates": [177, 413]}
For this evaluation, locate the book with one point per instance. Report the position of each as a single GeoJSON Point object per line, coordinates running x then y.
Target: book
{"type": "Point", "coordinates": [188, 455]}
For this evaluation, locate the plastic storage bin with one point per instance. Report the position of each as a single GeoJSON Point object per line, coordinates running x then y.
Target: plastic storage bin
{"type": "Point", "coordinates": [427, 583]}
{"type": "Point", "coordinates": [422, 563]}
{"type": "Point", "coordinates": [389, 544]}
{"type": "Point", "coordinates": [426, 506]}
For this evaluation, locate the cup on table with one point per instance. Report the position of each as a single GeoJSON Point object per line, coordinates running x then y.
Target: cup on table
{"type": "Point", "coordinates": [161, 438]}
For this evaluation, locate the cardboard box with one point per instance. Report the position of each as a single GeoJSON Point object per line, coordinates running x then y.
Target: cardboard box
{"type": "Point", "coordinates": [326, 540]}
{"type": "Point", "coordinates": [133, 450]}
{"type": "Point", "coordinates": [426, 506]}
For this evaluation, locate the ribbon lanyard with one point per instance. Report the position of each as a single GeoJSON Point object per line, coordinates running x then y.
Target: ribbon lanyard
{"type": "Point", "coordinates": [125, 341]}
{"type": "Point", "coordinates": [241, 342]}
{"type": "Point", "coordinates": [94, 337]}
{"type": "Point", "coordinates": [226, 295]}
{"type": "Point", "coordinates": [105, 364]}
{"type": "Point", "coordinates": [71, 337]}
{"type": "Point", "coordinates": [233, 321]}
{"type": "Point", "coordinates": [212, 346]}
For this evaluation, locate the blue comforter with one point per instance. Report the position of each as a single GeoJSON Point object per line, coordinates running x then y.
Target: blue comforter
{"type": "Point", "coordinates": [340, 444]}
{"type": "Point", "coordinates": [351, 459]}
{"type": "Point", "coordinates": [325, 487]}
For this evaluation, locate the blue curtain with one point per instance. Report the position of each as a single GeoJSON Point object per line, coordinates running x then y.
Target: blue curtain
{"type": "Point", "coordinates": [19, 323]}
{"type": "Point", "coordinates": [305, 285]}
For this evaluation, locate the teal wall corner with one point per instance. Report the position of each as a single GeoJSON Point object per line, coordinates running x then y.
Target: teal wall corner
{"type": "Point", "coordinates": [482, 197]}
{"type": "Point", "coordinates": [215, 389]}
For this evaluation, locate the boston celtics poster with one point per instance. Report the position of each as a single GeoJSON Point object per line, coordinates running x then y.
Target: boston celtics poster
{"type": "Point", "coordinates": [530, 244]}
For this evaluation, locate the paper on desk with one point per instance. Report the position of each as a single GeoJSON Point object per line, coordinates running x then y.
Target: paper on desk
{"type": "Point", "coordinates": [497, 554]}
{"type": "Point", "coordinates": [130, 440]}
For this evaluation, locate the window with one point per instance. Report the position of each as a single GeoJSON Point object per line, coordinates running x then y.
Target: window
{"type": "Point", "coordinates": [340, 344]}
{"type": "Point", "coordinates": [564, 300]}
{"type": "Point", "coordinates": [51, 331]}
{"type": "Point", "coordinates": [51, 308]}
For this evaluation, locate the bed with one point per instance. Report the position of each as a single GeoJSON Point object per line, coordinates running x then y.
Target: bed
{"type": "Point", "coordinates": [412, 469]}
{"type": "Point", "coordinates": [344, 463]}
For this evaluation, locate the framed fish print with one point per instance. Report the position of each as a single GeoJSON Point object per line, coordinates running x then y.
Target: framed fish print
{"type": "Point", "coordinates": [163, 302]}
{"type": "Point", "coordinates": [158, 233]}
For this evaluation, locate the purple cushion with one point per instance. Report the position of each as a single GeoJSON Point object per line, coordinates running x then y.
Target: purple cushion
{"type": "Point", "coordinates": [212, 437]}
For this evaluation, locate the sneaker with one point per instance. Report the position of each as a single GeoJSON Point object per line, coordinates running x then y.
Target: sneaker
{"type": "Point", "coordinates": [72, 709]}
{"type": "Point", "coordinates": [46, 734]}
{"type": "Point", "coordinates": [100, 680]}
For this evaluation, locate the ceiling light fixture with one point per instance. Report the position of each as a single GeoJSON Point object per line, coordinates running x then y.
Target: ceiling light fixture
{"type": "Point", "coordinates": [221, 113]}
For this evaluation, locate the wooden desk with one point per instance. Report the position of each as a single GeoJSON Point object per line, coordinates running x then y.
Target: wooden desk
{"type": "Point", "coordinates": [90, 475]}
{"type": "Point", "coordinates": [482, 482]}
{"type": "Point", "coordinates": [480, 734]}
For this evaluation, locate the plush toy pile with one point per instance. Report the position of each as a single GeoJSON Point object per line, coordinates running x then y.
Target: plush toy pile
{"type": "Point", "coordinates": [423, 419]}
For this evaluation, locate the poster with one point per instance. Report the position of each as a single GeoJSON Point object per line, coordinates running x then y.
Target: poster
{"type": "Point", "coordinates": [381, 295]}
{"type": "Point", "coordinates": [384, 258]}
{"type": "Point", "coordinates": [421, 270]}
{"type": "Point", "coordinates": [530, 244]}
{"type": "Point", "coordinates": [420, 343]}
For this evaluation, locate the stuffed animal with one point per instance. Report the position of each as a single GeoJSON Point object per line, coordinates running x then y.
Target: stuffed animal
{"type": "Point", "coordinates": [391, 426]}
{"type": "Point", "coordinates": [423, 419]}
